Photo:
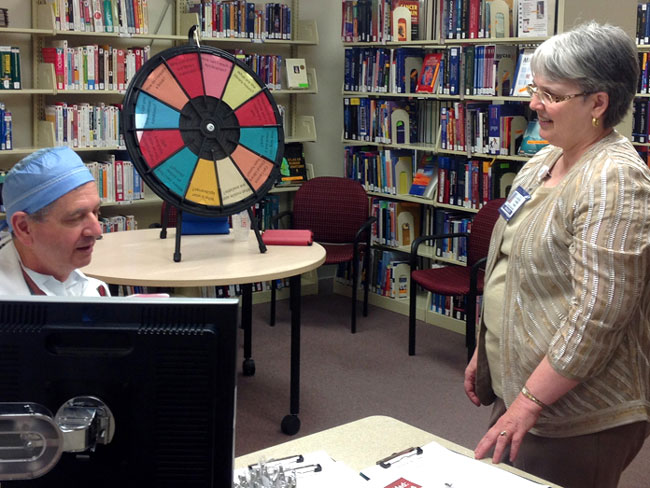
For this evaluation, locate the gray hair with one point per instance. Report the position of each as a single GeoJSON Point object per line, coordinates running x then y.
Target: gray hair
{"type": "Point", "coordinates": [599, 58]}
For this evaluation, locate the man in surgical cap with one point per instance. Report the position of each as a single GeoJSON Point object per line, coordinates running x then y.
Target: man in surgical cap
{"type": "Point", "coordinates": [52, 205]}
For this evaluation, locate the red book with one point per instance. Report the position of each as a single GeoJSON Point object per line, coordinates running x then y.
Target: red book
{"type": "Point", "coordinates": [54, 55]}
{"type": "Point", "coordinates": [120, 67]}
{"type": "Point", "coordinates": [428, 79]}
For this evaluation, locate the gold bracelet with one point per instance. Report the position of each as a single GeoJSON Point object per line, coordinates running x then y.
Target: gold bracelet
{"type": "Point", "coordinates": [526, 392]}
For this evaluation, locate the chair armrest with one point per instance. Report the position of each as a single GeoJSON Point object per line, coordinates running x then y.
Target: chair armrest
{"type": "Point", "coordinates": [276, 218]}
{"type": "Point", "coordinates": [432, 237]}
{"type": "Point", "coordinates": [473, 274]}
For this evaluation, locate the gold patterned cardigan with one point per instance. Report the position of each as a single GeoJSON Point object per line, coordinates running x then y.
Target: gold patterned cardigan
{"type": "Point", "coordinates": [577, 291]}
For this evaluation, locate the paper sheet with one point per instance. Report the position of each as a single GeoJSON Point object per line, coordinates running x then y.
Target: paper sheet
{"type": "Point", "coordinates": [440, 467]}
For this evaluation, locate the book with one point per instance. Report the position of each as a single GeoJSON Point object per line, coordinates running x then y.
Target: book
{"type": "Point", "coordinates": [532, 141]}
{"type": "Point", "coordinates": [296, 72]}
{"type": "Point", "coordinates": [535, 18]}
{"type": "Point", "coordinates": [292, 169]}
{"type": "Point", "coordinates": [429, 74]}
{"type": "Point", "coordinates": [523, 73]}
{"type": "Point", "coordinates": [406, 19]}
{"type": "Point", "coordinates": [425, 179]}
{"type": "Point", "coordinates": [504, 69]}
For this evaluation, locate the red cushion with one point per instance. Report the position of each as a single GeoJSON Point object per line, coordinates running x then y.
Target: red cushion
{"type": "Point", "coordinates": [449, 280]}
{"type": "Point", "coordinates": [337, 253]}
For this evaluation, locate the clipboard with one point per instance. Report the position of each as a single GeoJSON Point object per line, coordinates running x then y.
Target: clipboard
{"type": "Point", "coordinates": [313, 470]}
{"type": "Point", "coordinates": [435, 465]}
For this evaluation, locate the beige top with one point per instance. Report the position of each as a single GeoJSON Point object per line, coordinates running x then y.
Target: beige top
{"type": "Point", "coordinates": [577, 290]}
{"type": "Point", "coordinates": [494, 289]}
{"type": "Point", "coordinates": [141, 258]}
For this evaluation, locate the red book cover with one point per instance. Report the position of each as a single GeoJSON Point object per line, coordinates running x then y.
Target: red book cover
{"type": "Point", "coordinates": [120, 69]}
{"type": "Point", "coordinates": [427, 82]}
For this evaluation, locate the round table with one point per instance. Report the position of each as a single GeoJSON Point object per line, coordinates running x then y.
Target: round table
{"type": "Point", "coordinates": [142, 258]}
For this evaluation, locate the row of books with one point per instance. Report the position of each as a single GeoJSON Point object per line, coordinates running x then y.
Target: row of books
{"type": "Point", "coordinates": [267, 66]}
{"type": "Point", "coordinates": [387, 20]}
{"type": "Point", "coordinates": [640, 120]}
{"type": "Point", "coordinates": [384, 171]}
{"type": "Point", "coordinates": [241, 19]}
{"type": "Point", "coordinates": [502, 70]}
{"type": "Point", "coordinates": [10, 73]}
{"type": "Point", "coordinates": [475, 19]}
{"type": "Point", "coordinates": [117, 180]}
{"type": "Point", "coordinates": [385, 121]}
{"type": "Point", "coordinates": [398, 223]}
{"type": "Point", "coordinates": [233, 291]}
{"type": "Point", "coordinates": [93, 66]}
{"type": "Point", "coordinates": [265, 210]}
{"type": "Point", "coordinates": [85, 125]}
{"type": "Point", "coordinates": [482, 128]}
{"type": "Point", "coordinates": [453, 306]}
{"type": "Point", "coordinates": [409, 20]}
{"type": "Point", "coordinates": [643, 23]}
{"type": "Point", "coordinates": [6, 129]}
{"type": "Point", "coordinates": [643, 85]}
{"type": "Point", "coordinates": [389, 274]}
{"type": "Point", "coordinates": [115, 16]}
{"type": "Point", "coordinates": [118, 223]}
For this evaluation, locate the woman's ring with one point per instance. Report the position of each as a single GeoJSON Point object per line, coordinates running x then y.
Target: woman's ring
{"type": "Point", "coordinates": [503, 433]}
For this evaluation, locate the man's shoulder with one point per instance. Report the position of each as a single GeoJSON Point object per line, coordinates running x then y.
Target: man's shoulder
{"type": "Point", "coordinates": [11, 279]}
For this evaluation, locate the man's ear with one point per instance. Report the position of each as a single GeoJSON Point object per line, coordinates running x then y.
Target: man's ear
{"type": "Point", "coordinates": [22, 227]}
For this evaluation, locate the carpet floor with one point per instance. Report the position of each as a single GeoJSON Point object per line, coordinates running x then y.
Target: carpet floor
{"type": "Point", "coordinates": [346, 377]}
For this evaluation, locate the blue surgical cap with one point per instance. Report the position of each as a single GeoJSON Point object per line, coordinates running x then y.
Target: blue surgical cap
{"type": "Point", "coordinates": [41, 178]}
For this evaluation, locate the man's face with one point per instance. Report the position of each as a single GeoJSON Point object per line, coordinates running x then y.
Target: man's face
{"type": "Point", "coordinates": [64, 239]}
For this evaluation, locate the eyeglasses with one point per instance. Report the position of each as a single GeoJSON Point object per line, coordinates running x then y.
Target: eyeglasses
{"type": "Point", "coordinates": [547, 98]}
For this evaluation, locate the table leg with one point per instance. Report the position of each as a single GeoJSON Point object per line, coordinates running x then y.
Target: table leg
{"type": "Point", "coordinates": [291, 423]}
{"type": "Point", "coordinates": [248, 366]}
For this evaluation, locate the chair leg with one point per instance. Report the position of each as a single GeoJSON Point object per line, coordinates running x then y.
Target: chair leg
{"type": "Point", "coordinates": [366, 283]}
{"type": "Point", "coordinates": [470, 325]}
{"type": "Point", "coordinates": [273, 293]}
{"type": "Point", "coordinates": [412, 316]}
{"type": "Point", "coordinates": [355, 273]}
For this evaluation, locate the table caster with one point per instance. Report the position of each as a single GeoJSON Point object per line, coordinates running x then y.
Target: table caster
{"type": "Point", "coordinates": [290, 424]}
{"type": "Point", "coordinates": [248, 367]}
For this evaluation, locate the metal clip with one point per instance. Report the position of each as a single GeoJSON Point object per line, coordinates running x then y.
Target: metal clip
{"type": "Point", "coordinates": [411, 451]}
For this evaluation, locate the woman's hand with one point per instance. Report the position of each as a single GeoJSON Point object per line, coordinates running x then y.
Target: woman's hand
{"type": "Point", "coordinates": [510, 429]}
{"type": "Point", "coordinates": [470, 379]}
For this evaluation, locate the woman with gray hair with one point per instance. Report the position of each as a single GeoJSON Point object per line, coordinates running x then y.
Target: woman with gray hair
{"type": "Point", "coordinates": [564, 341]}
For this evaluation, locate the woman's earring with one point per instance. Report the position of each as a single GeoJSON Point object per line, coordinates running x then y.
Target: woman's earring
{"type": "Point", "coordinates": [595, 122]}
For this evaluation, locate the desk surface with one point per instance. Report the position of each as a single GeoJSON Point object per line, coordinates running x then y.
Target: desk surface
{"type": "Point", "coordinates": [361, 443]}
{"type": "Point", "coordinates": [141, 258]}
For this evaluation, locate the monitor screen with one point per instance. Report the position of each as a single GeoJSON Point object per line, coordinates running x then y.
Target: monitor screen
{"type": "Point", "coordinates": [164, 367]}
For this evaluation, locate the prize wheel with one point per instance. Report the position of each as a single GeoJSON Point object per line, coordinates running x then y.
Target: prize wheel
{"type": "Point", "coordinates": [203, 130]}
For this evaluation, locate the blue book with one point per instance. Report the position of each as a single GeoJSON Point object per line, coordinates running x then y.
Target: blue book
{"type": "Point", "coordinates": [495, 113]}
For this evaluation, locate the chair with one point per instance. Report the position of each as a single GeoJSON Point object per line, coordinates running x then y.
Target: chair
{"type": "Point", "coordinates": [456, 280]}
{"type": "Point", "coordinates": [336, 211]}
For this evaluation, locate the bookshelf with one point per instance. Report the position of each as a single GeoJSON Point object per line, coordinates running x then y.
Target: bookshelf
{"type": "Point", "coordinates": [375, 94]}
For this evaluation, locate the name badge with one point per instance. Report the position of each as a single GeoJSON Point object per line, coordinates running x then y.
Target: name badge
{"type": "Point", "coordinates": [515, 201]}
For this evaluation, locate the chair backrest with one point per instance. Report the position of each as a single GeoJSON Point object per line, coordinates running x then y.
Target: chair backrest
{"type": "Point", "coordinates": [171, 217]}
{"type": "Point", "coordinates": [333, 208]}
{"type": "Point", "coordinates": [479, 240]}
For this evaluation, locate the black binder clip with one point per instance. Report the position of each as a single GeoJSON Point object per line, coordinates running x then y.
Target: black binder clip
{"type": "Point", "coordinates": [398, 456]}
{"type": "Point", "coordinates": [297, 458]}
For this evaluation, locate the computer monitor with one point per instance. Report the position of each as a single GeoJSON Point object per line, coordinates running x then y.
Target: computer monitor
{"type": "Point", "coordinates": [164, 367]}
